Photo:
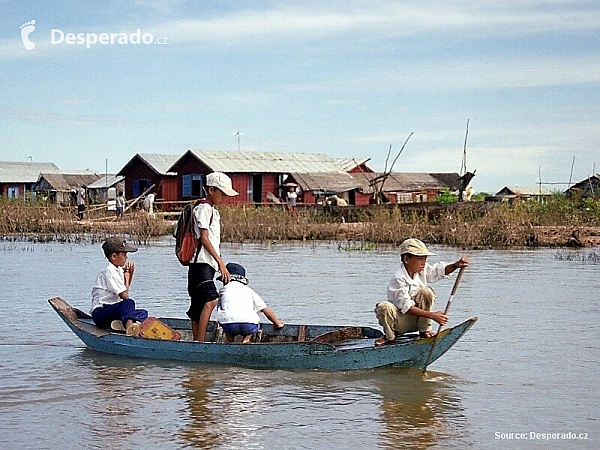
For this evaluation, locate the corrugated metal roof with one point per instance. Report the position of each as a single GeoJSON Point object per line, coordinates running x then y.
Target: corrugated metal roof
{"type": "Point", "coordinates": [331, 182]}
{"type": "Point", "coordinates": [104, 181]}
{"type": "Point", "coordinates": [347, 164]}
{"type": "Point", "coordinates": [586, 183]}
{"type": "Point", "coordinates": [401, 182]}
{"type": "Point", "coordinates": [160, 163]}
{"type": "Point", "coordinates": [24, 172]}
{"type": "Point", "coordinates": [523, 191]}
{"type": "Point", "coordinates": [267, 162]}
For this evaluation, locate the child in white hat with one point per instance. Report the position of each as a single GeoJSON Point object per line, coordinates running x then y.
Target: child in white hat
{"type": "Point", "coordinates": [410, 302]}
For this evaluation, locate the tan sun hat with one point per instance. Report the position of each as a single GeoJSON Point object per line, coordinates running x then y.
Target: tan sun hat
{"type": "Point", "coordinates": [222, 182]}
{"type": "Point", "coordinates": [415, 247]}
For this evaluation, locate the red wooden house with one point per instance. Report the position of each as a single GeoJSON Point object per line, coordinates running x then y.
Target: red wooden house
{"type": "Point", "coordinates": [257, 176]}
{"type": "Point", "coordinates": [18, 178]}
{"type": "Point", "coordinates": [145, 170]}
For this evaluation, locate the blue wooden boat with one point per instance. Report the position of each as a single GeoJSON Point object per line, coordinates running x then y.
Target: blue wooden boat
{"type": "Point", "coordinates": [292, 347]}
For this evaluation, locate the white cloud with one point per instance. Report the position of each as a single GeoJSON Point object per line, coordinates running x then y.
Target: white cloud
{"type": "Point", "coordinates": [162, 6]}
{"type": "Point", "coordinates": [367, 21]}
{"type": "Point", "coordinates": [383, 19]}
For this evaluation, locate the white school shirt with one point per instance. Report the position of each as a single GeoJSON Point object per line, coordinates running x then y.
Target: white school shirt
{"type": "Point", "coordinates": [202, 220]}
{"type": "Point", "coordinates": [81, 196]}
{"type": "Point", "coordinates": [239, 304]}
{"type": "Point", "coordinates": [402, 288]}
{"type": "Point", "coordinates": [110, 282]}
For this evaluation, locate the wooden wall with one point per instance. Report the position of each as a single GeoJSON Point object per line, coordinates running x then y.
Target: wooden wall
{"type": "Point", "coordinates": [165, 186]}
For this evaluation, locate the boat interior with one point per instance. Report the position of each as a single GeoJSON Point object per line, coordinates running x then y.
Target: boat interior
{"type": "Point", "coordinates": [324, 334]}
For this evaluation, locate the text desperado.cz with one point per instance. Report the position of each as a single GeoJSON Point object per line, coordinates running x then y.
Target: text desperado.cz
{"type": "Point", "coordinates": [89, 39]}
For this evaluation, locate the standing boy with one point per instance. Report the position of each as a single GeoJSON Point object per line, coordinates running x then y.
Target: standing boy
{"type": "Point", "coordinates": [120, 205]}
{"type": "Point", "coordinates": [207, 227]}
{"type": "Point", "coordinates": [410, 301]}
{"type": "Point", "coordinates": [110, 294]}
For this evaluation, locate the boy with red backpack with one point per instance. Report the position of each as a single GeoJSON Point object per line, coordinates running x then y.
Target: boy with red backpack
{"type": "Point", "coordinates": [207, 258]}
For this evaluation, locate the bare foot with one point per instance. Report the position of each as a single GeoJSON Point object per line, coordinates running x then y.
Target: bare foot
{"type": "Point", "coordinates": [278, 325]}
{"type": "Point", "coordinates": [384, 341]}
{"type": "Point", "coordinates": [426, 334]}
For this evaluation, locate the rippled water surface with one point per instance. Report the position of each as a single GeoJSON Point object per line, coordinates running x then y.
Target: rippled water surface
{"type": "Point", "coordinates": [529, 365]}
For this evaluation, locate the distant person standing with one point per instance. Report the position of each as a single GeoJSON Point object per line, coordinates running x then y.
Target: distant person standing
{"type": "Point", "coordinates": [291, 198]}
{"type": "Point", "coordinates": [149, 203]}
{"type": "Point", "coordinates": [120, 205]}
{"type": "Point", "coordinates": [80, 202]}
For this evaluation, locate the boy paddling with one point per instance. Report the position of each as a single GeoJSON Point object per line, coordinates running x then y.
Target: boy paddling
{"type": "Point", "coordinates": [410, 302]}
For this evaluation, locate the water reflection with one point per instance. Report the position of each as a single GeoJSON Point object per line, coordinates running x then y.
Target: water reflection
{"type": "Point", "coordinates": [115, 387]}
{"type": "Point", "coordinates": [200, 427]}
{"type": "Point", "coordinates": [419, 412]}
{"type": "Point", "coordinates": [49, 383]}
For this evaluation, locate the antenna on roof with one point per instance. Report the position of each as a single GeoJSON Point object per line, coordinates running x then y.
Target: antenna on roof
{"type": "Point", "coordinates": [30, 159]}
{"type": "Point", "coordinates": [238, 134]}
{"type": "Point", "coordinates": [571, 176]}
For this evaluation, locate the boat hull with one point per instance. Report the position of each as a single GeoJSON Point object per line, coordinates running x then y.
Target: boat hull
{"type": "Point", "coordinates": [406, 353]}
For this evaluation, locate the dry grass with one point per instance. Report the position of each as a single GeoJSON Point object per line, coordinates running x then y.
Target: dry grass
{"type": "Point", "coordinates": [47, 223]}
{"type": "Point", "coordinates": [488, 226]}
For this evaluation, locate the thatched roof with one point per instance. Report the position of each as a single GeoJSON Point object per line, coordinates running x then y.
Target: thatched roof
{"type": "Point", "coordinates": [326, 182]}
{"type": "Point", "coordinates": [65, 181]}
{"type": "Point", "coordinates": [409, 182]}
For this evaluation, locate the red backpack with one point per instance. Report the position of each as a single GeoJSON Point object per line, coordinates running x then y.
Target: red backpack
{"type": "Point", "coordinates": [187, 246]}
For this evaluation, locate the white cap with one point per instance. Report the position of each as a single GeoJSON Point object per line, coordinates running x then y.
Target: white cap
{"type": "Point", "coordinates": [222, 182]}
{"type": "Point", "coordinates": [414, 247]}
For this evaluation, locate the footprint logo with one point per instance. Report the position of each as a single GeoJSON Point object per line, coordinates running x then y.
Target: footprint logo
{"type": "Point", "coordinates": [26, 30]}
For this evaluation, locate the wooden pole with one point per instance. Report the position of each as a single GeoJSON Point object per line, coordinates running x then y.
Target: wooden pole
{"type": "Point", "coordinates": [138, 198]}
{"type": "Point", "coordinates": [454, 289]}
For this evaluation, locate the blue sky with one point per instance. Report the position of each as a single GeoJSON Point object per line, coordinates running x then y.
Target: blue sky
{"type": "Point", "coordinates": [345, 78]}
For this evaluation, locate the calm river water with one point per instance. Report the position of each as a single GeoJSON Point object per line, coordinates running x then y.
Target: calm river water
{"type": "Point", "coordinates": [527, 369]}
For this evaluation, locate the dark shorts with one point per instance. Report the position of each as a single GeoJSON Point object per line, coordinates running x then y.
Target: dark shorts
{"type": "Point", "coordinates": [201, 288]}
{"type": "Point", "coordinates": [242, 329]}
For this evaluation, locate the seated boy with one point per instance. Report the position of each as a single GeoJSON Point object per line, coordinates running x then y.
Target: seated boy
{"type": "Point", "coordinates": [110, 294]}
{"type": "Point", "coordinates": [410, 301]}
{"type": "Point", "coordinates": [239, 305]}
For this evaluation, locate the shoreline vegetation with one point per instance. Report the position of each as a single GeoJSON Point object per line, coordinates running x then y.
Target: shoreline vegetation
{"type": "Point", "coordinates": [557, 222]}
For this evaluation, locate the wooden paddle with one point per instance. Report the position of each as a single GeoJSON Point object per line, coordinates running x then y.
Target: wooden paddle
{"type": "Point", "coordinates": [454, 289]}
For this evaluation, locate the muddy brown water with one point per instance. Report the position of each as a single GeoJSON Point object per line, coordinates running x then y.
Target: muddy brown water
{"type": "Point", "coordinates": [523, 377]}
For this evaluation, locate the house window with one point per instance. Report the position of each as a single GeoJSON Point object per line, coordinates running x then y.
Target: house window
{"type": "Point", "coordinates": [140, 186]}
{"type": "Point", "coordinates": [13, 192]}
{"type": "Point", "coordinates": [403, 197]}
{"type": "Point", "coordinates": [191, 185]}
